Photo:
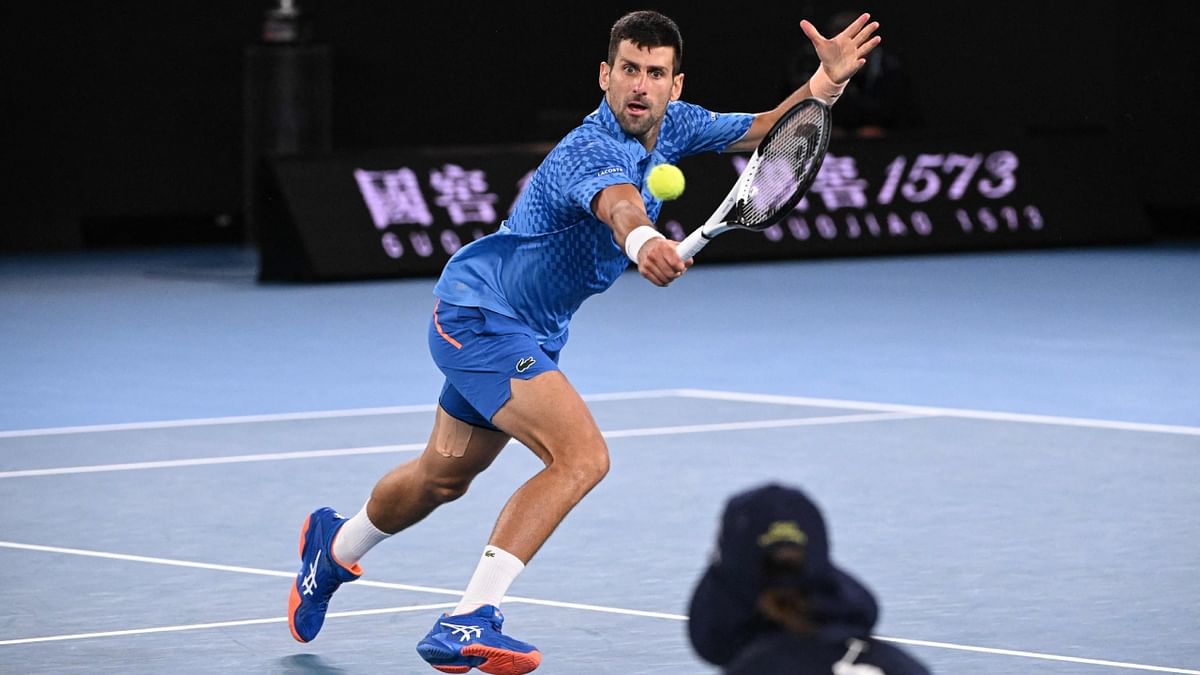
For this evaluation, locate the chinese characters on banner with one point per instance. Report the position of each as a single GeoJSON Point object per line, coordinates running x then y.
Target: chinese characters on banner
{"type": "Point", "coordinates": [396, 197]}
{"type": "Point", "coordinates": [868, 198]}
{"type": "Point", "coordinates": [841, 203]}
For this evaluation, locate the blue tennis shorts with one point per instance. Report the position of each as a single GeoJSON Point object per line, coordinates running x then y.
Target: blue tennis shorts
{"type": "Point", "coordinates": [480, 352]}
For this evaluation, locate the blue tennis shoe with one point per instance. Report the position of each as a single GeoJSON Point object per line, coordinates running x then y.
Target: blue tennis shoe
{"type": "Point", "coordinates": [320, 574]}
{"type": "Point", "coordinates": [458, 643]}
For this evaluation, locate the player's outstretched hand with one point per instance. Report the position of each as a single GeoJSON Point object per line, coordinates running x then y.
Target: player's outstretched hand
{"type": "Point", "coordinates": [659, 262]}
{"type": "Point", "coordinates": [843, 54]}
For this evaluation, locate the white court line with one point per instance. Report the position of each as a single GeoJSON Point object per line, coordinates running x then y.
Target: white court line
{"type": "Point", "coordinates": [759, 424]}
{"type": "Point", "coordinates": [445, 591]}
{"type": "Point", "coordinates": [217, 624]}
{"type": "Point", "coordinates": [211, 566]}
{"type": "Point", "coordinates": [1038, 655]}
{"type": "Point", "coordinates": [927, 411]}
{"type": "Point", "coordinates": [286, 417]}
{"type": "Point", "coordinates": [931, 411]}
{"type": "Point", "coordinates": [206, 461]}
{"type": "Point", "coordinates": [217, 421]}
{"type": "Point", "coordinates": [408, 447]}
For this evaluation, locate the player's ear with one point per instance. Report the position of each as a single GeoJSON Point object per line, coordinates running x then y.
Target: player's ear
{"type": "Point", "coordinates": [677, 87]}
{"type": "Point", "coordinates": [604, 72]}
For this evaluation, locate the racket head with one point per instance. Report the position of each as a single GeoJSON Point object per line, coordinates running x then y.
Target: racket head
{"type": "Point", "coordinates": [784, 165]}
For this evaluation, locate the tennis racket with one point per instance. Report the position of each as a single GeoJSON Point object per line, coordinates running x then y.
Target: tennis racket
{"type": "Point", "coordinates": [776, 177]}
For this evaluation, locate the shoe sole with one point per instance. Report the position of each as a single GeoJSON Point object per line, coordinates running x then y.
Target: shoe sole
{"type": "Point", "coordinates": [294, 596]}
{"type": "Point", "coordinates": [433, 653]}
{"type": "Point", "coordinates": [502, 661]}
{"type": "Point", "coordinates": [496, 661]}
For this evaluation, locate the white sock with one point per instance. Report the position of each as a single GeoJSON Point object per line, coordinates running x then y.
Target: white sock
{"type": "Point", "coordinates": [496, 571]}
{"type": "Point", "coordinates": [356, 537]}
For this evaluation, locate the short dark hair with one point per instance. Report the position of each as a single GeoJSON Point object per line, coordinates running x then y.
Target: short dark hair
{"type": "Point", "coordinates": [647, 29]}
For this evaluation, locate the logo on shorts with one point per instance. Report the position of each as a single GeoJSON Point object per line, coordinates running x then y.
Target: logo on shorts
{"type": "Point", "coordinates": [525, 364]}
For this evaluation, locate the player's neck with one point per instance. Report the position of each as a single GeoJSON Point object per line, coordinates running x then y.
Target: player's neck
{"type": "Point", "coordinates": [650, 138]}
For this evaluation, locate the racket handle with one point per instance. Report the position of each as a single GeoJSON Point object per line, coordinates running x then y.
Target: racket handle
{"type": "Point", "coordinates": [691, 245]}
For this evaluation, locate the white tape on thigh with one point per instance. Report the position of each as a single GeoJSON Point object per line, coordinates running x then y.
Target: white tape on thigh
{"type": "Point", "coordinates": [452, 437]}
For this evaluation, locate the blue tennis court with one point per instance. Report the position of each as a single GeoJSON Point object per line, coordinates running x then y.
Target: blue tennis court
{"type": "Point", "coordinates": [1006, 447]}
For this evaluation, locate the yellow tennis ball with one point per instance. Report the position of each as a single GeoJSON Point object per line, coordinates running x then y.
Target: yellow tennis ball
{"type": "Point", "coordinates": [665, 181]}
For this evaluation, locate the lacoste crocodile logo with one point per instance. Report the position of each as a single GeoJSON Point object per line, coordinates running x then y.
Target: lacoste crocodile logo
{"type": "Point", "coordinates": [525, 364]}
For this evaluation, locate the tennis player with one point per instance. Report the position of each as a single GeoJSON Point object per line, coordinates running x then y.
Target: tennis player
{"type": "Point", "coordinates": [500, 321]}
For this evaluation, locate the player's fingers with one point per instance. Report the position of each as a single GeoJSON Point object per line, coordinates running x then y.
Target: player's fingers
{"type": "Point", "coordinates": [654, 269]}
{"type": "Point", "coordinates": [667, 257]}
{"type": "Point", "coordinates": [870, 46]}
{"type": "Point", "coordinates": [866, 33]}
{"type": "Point", "coordinates": [811, 31]}
{"type": "Point", "coordinates": [654, 278]}
{"type": "Point", "coordinates": [671, 270]}
{"type": "Point", "coordinates": [856, 25]}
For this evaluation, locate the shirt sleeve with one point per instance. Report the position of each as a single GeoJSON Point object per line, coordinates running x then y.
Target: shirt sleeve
{"type": "Point", "coordinates": [590, 167]}
{"type": "Point", "coordinates": [707, 131]}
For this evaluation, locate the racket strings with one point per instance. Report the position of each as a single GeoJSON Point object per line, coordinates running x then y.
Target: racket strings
{"type": "Point", "coordinates": [786, 161]}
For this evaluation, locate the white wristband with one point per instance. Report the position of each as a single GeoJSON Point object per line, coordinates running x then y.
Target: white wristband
{"type": "Point", "coordinates": [635, 240]}
{"type": "Point", "coordinates": [824, 88]}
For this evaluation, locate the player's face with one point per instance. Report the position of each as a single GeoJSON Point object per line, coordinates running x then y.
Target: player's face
{"type": "Point", "coordinates": [638, 85]}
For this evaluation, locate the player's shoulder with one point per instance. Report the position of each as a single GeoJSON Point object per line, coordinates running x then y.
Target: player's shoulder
{"type": "Point", "coordinates": [685, 120]}
{"type": "Point", "coordinates": [588, 135]}
{"type": "Point", "coordinates": [685, 111]}
{"type": "Point", "coordinates": [588, 144]}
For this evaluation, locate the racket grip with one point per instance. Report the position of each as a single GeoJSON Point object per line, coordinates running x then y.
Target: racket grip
{"type": "Point", "coordinates": [691, 245]}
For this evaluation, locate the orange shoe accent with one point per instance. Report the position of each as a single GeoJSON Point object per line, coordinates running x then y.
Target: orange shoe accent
{"type": "Point", "coordinates": [294, 596]}
{"type": "Point", "coordinates": [438, 326]}
{"type": "Point", "coordinates": [293, 604]}
{"type": "Point", "coordinates": [453, 669]}
{"type": "Point", "coordinates": [502, 661]}
{"type": "Point", "coordinates": [303, 534]}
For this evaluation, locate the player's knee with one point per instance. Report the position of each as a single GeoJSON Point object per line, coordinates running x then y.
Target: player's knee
{"type": "Point", "coordinates": [590, 467]}
{"type": "Point", "coordinates": [600, 465]}
{"type": "Point", "coordinates": [444, 489]}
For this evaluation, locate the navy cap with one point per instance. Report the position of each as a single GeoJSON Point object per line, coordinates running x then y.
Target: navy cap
{"type": "Point", "coordinates": [762, 520]}
{"type": "Point", "coordinates": [769, 517]}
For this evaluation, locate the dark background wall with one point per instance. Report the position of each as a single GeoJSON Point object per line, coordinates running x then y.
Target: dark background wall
{"type": "Point", "coordinates": [118, 113]}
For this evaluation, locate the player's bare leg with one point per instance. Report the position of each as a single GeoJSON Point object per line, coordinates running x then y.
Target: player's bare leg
{"type": "Point", "coordinates": [455, 454]}
{"type": "Point", "coordinates": [331, 546]}
{"type": "Point", "coordinates": [548, 416]}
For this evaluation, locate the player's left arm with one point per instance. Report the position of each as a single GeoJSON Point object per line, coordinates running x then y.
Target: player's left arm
{"type": "Point", "coordinates": [841, 57]}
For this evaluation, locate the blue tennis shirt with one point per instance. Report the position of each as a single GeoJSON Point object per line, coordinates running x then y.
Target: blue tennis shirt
{"type": "Point", "coordinates": [552, 253]}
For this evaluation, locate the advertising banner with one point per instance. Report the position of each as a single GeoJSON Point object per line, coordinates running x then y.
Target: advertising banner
{"type": "Point", "coordinates": [404, 213]}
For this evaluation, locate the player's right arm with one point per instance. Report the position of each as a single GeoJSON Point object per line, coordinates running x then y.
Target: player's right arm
{"type": "Point", "coordinates": [841, 57]}
{"type": "Point", "coordinates": [620, 206]}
